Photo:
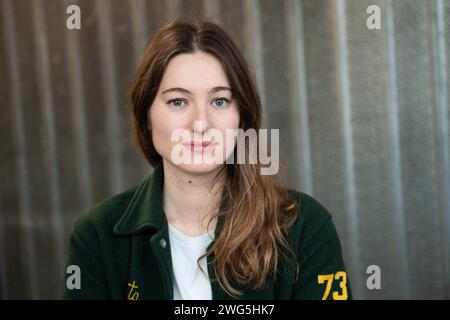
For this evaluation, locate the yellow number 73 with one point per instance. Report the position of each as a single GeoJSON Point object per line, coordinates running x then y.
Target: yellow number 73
{"type": "Point", "coordinates": [340, 276]}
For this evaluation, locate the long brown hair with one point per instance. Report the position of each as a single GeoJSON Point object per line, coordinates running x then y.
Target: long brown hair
{"type": "Point", "coordinates": [258, 210]}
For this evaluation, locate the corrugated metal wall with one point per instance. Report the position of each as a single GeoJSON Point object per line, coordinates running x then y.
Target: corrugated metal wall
{"type": "Point", "coordinates": [363, 116]}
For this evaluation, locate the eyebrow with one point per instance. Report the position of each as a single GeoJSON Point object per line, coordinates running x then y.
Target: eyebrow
{"type": "Point", "coordinates": [183, 90]}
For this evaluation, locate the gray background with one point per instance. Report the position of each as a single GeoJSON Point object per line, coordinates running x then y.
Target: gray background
{"type": "Point", "coordinates": [363, 116]}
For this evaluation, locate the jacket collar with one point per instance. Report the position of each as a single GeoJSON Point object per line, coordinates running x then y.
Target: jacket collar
{"type": "Point", "coordinates": [145, 209]}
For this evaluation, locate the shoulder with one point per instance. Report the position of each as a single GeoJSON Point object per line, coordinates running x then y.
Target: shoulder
{"type": "Point", "coordinates": [310, 210]}
{"type": "Point", "coordinates": [314, 222]}
{"type": "Point", "coordinates": [101, 217]}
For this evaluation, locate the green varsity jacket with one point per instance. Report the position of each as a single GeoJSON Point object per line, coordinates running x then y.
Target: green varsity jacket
{"type": "Point", "coordinates": [120, 249]}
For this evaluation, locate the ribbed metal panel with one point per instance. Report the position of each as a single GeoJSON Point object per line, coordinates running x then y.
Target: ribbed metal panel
{"type": "Point", "coordinates": [363, 118]}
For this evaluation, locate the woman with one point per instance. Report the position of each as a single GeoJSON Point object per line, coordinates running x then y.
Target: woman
{"type": "Point", "coordinates": [202, 229]}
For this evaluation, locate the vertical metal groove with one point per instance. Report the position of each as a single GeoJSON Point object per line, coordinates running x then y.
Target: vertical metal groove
{"type": "Point", "coordinates": [43, 71]}
{"type": "Point", "coordinates": [441, 116]}
{"type": "Point", "coordinates": [110, 92]}
{"type": "Point", "coordinates": [25, 219]}
{"type": "Point", "coordinates": [211, 9]}
{"type": "Point", "coordinates": [395, 149]}
{"type": "Point", "coordinates": [75, 70]}
{"type": "Point", "coordinates": [137, 9]}
{"type": "Point", "coordinates": [173, 8]}
{"type": "Point", "coordinates": [348, 141]}
{"type": "Point", "coordinates": [298, 88]}
{"type": "Point", "coordinates": [254, 39]}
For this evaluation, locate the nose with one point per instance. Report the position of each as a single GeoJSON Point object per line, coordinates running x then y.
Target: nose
{"type": "Point", "coordinates": [199, 123]}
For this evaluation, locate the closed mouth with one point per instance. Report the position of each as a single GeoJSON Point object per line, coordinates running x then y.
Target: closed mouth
{"type": "Point", "coordinates": [199, 145]}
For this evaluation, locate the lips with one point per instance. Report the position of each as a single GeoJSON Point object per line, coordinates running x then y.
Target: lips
{"type": "Point", "coordinates": [199, 145]}
{"type": "Point", "coordinates": [203, 144]}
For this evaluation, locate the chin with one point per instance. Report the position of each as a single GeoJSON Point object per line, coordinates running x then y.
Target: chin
{"type": "Point", "coordinates": [200, 168]}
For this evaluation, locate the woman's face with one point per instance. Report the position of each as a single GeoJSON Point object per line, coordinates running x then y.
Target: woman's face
{"type": "Point", "coordinates": [193, 106]}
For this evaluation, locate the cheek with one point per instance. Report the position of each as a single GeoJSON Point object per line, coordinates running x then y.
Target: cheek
{"type": "Point", "coordinates": [160, 133]}
{"type": "Point", "coordinates": [229, 142]}
{"type": "Point", "coordinates": [233, 118]}
{"type": "Point", "coordinates": [161, 127]}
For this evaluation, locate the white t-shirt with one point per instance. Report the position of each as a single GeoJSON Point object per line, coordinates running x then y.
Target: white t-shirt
{"type": "Point", "coordinates": [189, 282]}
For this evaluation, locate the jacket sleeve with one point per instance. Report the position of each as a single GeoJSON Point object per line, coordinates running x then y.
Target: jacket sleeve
{"type": "Point", "coordinates": [322, 273]}
{"type": "Point", "coordinates": [84, 261]}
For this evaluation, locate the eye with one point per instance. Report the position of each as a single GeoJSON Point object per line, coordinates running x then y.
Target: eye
{"type": "Point", "coordinates": [221, 102]}
{"type": "Point", "coordinates": [176, 102]}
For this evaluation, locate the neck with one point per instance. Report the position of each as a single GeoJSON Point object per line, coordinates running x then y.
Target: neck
{"type": "Point", "coordinates": [190, 199]}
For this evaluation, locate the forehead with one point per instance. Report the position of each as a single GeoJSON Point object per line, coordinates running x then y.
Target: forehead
{"type": "Point", "coordinates": [197, 70]}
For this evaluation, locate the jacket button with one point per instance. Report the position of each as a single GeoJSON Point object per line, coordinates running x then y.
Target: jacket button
{"type": "Point", "coordinates": [163, 243]}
